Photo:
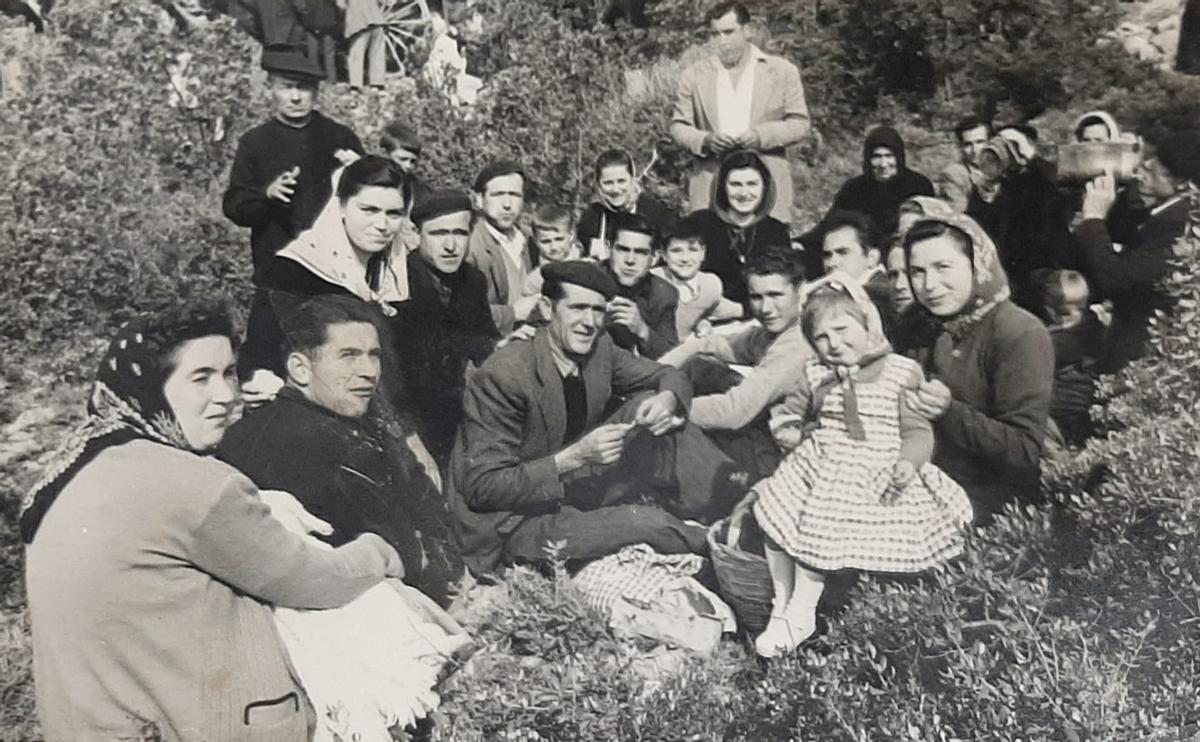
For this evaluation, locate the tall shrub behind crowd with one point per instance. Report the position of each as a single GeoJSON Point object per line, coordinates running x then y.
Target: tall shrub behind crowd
{"type": "Point", "coordinates": [113, 194]}
{"type": "Point", "coordinates": [555, 97]}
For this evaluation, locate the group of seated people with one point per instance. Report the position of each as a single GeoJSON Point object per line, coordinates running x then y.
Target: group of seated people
{"type": "Point", "coordinates": [432, 393]}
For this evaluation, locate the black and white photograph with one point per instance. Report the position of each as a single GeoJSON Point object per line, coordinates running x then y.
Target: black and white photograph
{"type": "Point", "coordinates": [599, 370]}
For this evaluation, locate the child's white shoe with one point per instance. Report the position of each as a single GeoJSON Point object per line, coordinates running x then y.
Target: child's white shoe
{"type": "Point", "coordinates": [785, 632]}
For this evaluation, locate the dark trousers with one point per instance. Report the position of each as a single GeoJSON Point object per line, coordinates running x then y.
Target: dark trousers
{"type": "Point", "coordinates": [752, 448]}
{"type": "Point", "coordinates": [642, 498]}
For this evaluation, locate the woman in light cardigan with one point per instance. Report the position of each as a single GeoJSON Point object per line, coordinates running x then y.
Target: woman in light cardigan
{"type": "Point", "coordinates": [152, 568]}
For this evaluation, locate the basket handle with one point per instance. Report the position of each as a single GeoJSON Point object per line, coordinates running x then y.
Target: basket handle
{"type": "Point", "coordinates": [734, 533]}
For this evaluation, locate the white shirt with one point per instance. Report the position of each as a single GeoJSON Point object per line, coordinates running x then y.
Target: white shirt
{"type": "Point", "coordinates": [514, 246]}
{"type": "Point", "coordinates": [734, 100]}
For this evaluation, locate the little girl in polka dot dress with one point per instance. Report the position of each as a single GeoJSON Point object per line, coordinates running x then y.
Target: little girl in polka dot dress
{"type": "Point", "coordinates": [857, 490]}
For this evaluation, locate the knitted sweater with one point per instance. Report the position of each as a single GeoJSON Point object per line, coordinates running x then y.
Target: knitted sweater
{"type": "Point", "coordinates": [150, 583]}
{"type": "Point", "coordinates": [1001, 375]}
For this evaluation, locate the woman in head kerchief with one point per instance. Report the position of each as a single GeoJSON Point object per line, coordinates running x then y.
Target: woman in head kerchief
{"type": "Point", "coordinates": [990, 368]}
{"type": "Point", "coordinates": [152, 568]}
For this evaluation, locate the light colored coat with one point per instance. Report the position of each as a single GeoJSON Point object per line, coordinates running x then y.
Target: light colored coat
{"type": "Point", "coordinates": [504, 286]}
{"type": "Point", "coordinates": [150, 584]}
{"type": "Point", "coordinates": [779, 115]}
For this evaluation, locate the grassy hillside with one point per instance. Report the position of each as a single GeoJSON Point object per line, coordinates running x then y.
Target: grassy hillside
{"type": "Point", "coordinates": [1076, 622]}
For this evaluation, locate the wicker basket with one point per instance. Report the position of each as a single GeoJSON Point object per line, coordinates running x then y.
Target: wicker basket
{"type": "Point", "coordinates": [743, 577]}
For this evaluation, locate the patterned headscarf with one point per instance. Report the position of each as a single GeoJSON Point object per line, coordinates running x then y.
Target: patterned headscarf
{"type": "Point", "coordinates": [990, 281]}
{"type": "Point", "coordinates": [127, 402]}
{"type": "Point", "coordinates": [877, 347]}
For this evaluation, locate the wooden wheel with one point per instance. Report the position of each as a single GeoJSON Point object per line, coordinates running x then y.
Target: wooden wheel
{"type": "Point", "coordinates": [406, 23]}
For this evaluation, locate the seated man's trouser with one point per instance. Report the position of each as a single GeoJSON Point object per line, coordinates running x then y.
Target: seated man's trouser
{"type": "Point", "coordinates": [642, 498]}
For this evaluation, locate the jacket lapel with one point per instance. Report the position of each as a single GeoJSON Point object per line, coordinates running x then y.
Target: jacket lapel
{"type": "Point", "coordinates": [548, 392]}
{"type": "Point", "coordinates": [707, 88]}
{"type": "Point", "coordinates": [762, 88]}
{"type": "Point", "coordinates": [597, 378]}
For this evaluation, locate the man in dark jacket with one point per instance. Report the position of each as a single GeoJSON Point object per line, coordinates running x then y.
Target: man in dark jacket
{"type": "Point", "coordinates": [536, 463]}
{"type": "Point", "coordinates": [446, 322]}
{"type": "Point", "coordinates": [321, 440]}
{"type": "Point", "coordinates": [1131, 278]}
{"type": "Point", "coordinates": [280, 178]}
{"type": "Point", "coordinates": [641, 317]}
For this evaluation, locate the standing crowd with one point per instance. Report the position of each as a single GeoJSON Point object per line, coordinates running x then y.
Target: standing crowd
{"type": "Point", "coordinates": [270, 540]}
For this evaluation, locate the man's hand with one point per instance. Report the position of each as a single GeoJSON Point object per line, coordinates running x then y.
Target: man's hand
{"type": "Point", "coordinates": [930, 399]}
{"type": "Point", "coordinates": [524, 332]}
{"type": "Point", "coordinates": [1099, 195]}
{"type": "Point", "coordinates": [902, 475]}
{"type": "Point", "coordinates": [260, 388]}
{"type": "Point", "coordinates": [788, 437]}
{"type": "Point", "coordinates": [603, 445]}
{"type": "Point", "coordinates": [657, 413]}
{"type": "Point", "coordinates": [346, 156]}
{"type": "Point", "coordinates": [718, 144]}
{"type": "Point", "coordinates": [282, 188]}
{"type": "Point", "coordinates": [625, 312]}
{"type": "Point", "coordinates": [749, 139]}
{"type": "Point", "coordinates": [524, 306]}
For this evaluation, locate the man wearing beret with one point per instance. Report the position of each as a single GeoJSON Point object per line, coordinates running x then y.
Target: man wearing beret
{"type": "Point", "coordinates": [1131, 277]}
{"type": "Point", "coordinates": [498, 246]}
{"type": "Point", "coordinates": [537, 463]}
{"type": "Point", "coordinates": [280, 178]}
{"type": "Point", "coordinates": [446, 322]}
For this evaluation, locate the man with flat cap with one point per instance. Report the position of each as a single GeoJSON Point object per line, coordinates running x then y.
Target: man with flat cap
{"type": "Point", "coordinates": [498, 246]}
{"type": "Point", "coordinates": [1132, 277]}
{"type": "Point", "coordinates": [536, 463]}
{"type": "Point", "coordinates": [446, 322]}
{"type": "Point", "coordinates": [280, 178]}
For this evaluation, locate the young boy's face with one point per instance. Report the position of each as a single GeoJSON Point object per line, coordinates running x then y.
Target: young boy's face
{"type": "Point", "coordinates": [554, 242]}
{"type": "Point", "coordinates": [684, 258]}
{"type": "Point", "coordinates": [406, 159]}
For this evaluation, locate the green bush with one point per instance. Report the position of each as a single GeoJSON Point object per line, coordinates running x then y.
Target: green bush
{"type": "Point", "coordinates": [1079, 621]}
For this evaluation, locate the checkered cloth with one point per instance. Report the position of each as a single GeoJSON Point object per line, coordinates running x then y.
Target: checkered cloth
{"type": "Point", "coordinates": [637, 573]}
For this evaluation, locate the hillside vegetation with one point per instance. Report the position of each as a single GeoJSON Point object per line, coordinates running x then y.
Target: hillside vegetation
{"type": "Point", "coordinates": [1078, 621]}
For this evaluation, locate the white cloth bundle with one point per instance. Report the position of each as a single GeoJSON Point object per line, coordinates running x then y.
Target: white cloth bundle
{"type": "Point", "coordinates": [374, 662]}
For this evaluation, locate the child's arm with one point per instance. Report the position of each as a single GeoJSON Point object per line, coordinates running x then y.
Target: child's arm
{"type": "Point", "coordinates": [722, 309]}
{"type": "Point", "coordinates": [788, 417]}
{"type": "Point", "coordinates": [916, 432]}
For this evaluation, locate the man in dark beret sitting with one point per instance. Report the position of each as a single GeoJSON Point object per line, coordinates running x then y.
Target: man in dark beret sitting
{"type": "Point", "coordinates": [446, 323]}
{"type": "Point", "coordinates": [535, 462]}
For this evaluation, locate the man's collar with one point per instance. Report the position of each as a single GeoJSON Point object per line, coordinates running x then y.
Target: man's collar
{"type": "Point", "coordinates": [500, 236]}
{"type": "Point", "coordinates": [566, 365]}
{"type": "Point", "coordinates": [291, 393]}
{"type": "Point", "coordinates": [293, 125]}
